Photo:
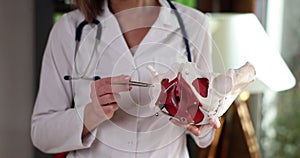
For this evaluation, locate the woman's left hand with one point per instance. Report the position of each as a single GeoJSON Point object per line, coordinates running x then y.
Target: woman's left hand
{"type": "Point", "coordinates": [197, 131]}
{"type": "Point", "coordinates": [215, 122]}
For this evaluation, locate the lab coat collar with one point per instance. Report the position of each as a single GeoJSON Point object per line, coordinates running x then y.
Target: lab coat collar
{"type": "Point", "coordinates": [166, 16]}
{"type": "Point", "coordinates": [106, 13]}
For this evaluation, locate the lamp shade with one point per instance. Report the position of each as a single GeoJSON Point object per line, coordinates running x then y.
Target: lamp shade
{"type": "Point", "coordinates": [238, 38]}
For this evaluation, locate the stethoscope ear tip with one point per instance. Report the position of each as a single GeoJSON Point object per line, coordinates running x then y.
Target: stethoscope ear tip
{"type": "Point", "coordinates": [97, 78]}
{"type": "Point", "coordinates": [67, 77]}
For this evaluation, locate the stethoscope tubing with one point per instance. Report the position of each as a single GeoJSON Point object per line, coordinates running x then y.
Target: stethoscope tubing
{"type": "Point", "coordinates": [183, 31]}
{"type": "Point", "coordinates": [78, 34]}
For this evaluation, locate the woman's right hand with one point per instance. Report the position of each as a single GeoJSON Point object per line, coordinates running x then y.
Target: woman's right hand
{"type": "Point", "coordinates": [104, 95]}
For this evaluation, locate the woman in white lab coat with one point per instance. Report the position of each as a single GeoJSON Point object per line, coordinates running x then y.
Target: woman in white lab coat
{"type": "Point", "coordinates": [110, 119]}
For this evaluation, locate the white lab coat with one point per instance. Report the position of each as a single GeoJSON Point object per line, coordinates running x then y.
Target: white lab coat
{"type": "Point", "coordinates": [134, 130]}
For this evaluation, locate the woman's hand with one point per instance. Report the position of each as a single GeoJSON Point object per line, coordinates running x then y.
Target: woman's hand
{"type": "Point", "coordinates": [197, 131]}
{"type": "Point", "coordinates": [104, 95]}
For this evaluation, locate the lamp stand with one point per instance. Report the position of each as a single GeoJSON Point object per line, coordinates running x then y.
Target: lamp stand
{"type": "Point", "coordinates": [236, 136]}
{"type": "Point", "coordinates": [248, 128]}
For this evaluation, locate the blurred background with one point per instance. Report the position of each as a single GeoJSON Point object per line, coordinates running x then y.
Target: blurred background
{"type": "Point", "coordinates": [24, 29]}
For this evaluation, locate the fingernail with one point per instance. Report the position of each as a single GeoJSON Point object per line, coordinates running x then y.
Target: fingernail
{"type": "Point", "coordinates": [127, 78]}
{"type": "Point", "coordinates": [115, 107]}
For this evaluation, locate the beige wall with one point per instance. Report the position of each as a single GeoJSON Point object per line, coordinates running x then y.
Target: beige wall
{"type": "Point", "coordinates": [16, 77]}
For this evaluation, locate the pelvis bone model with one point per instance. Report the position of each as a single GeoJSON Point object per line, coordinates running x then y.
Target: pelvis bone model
{"type": "Point", "coordinates": [192, 97]}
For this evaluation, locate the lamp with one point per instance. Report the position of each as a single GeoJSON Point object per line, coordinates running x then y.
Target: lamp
{"type": "Point", "coordinates": [238, 38]}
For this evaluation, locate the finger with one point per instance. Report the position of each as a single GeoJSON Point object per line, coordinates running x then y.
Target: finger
{"type": "Point", "coordinates": [122, 79]}
{"type": "Point", "coordinates": [114, 88]}
{"type": "Point", "coordinates": [101, 90]}
{"type": "Point", "coordinates": [215, 122]}
{"type": "Point", "coordinates": [93, 94]}
{"type": "Point", "coordinates": [108, 99]}
{"type": "Point", "coordinates": [205, 128]}
{"type": "Point", "coordinates": [190, 128]}
{"type": "Point", "coordinates": [193, 129]}
{"type": "Point", "coordinates": [109, 110]}
{"type": "Point", "coordinates": [112, 85]}
{"type": "Point", "coordinates": [110, 107]}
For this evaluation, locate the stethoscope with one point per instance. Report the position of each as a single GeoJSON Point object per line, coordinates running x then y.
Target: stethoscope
{"type": "Point", "coordinates": [78, 34]}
